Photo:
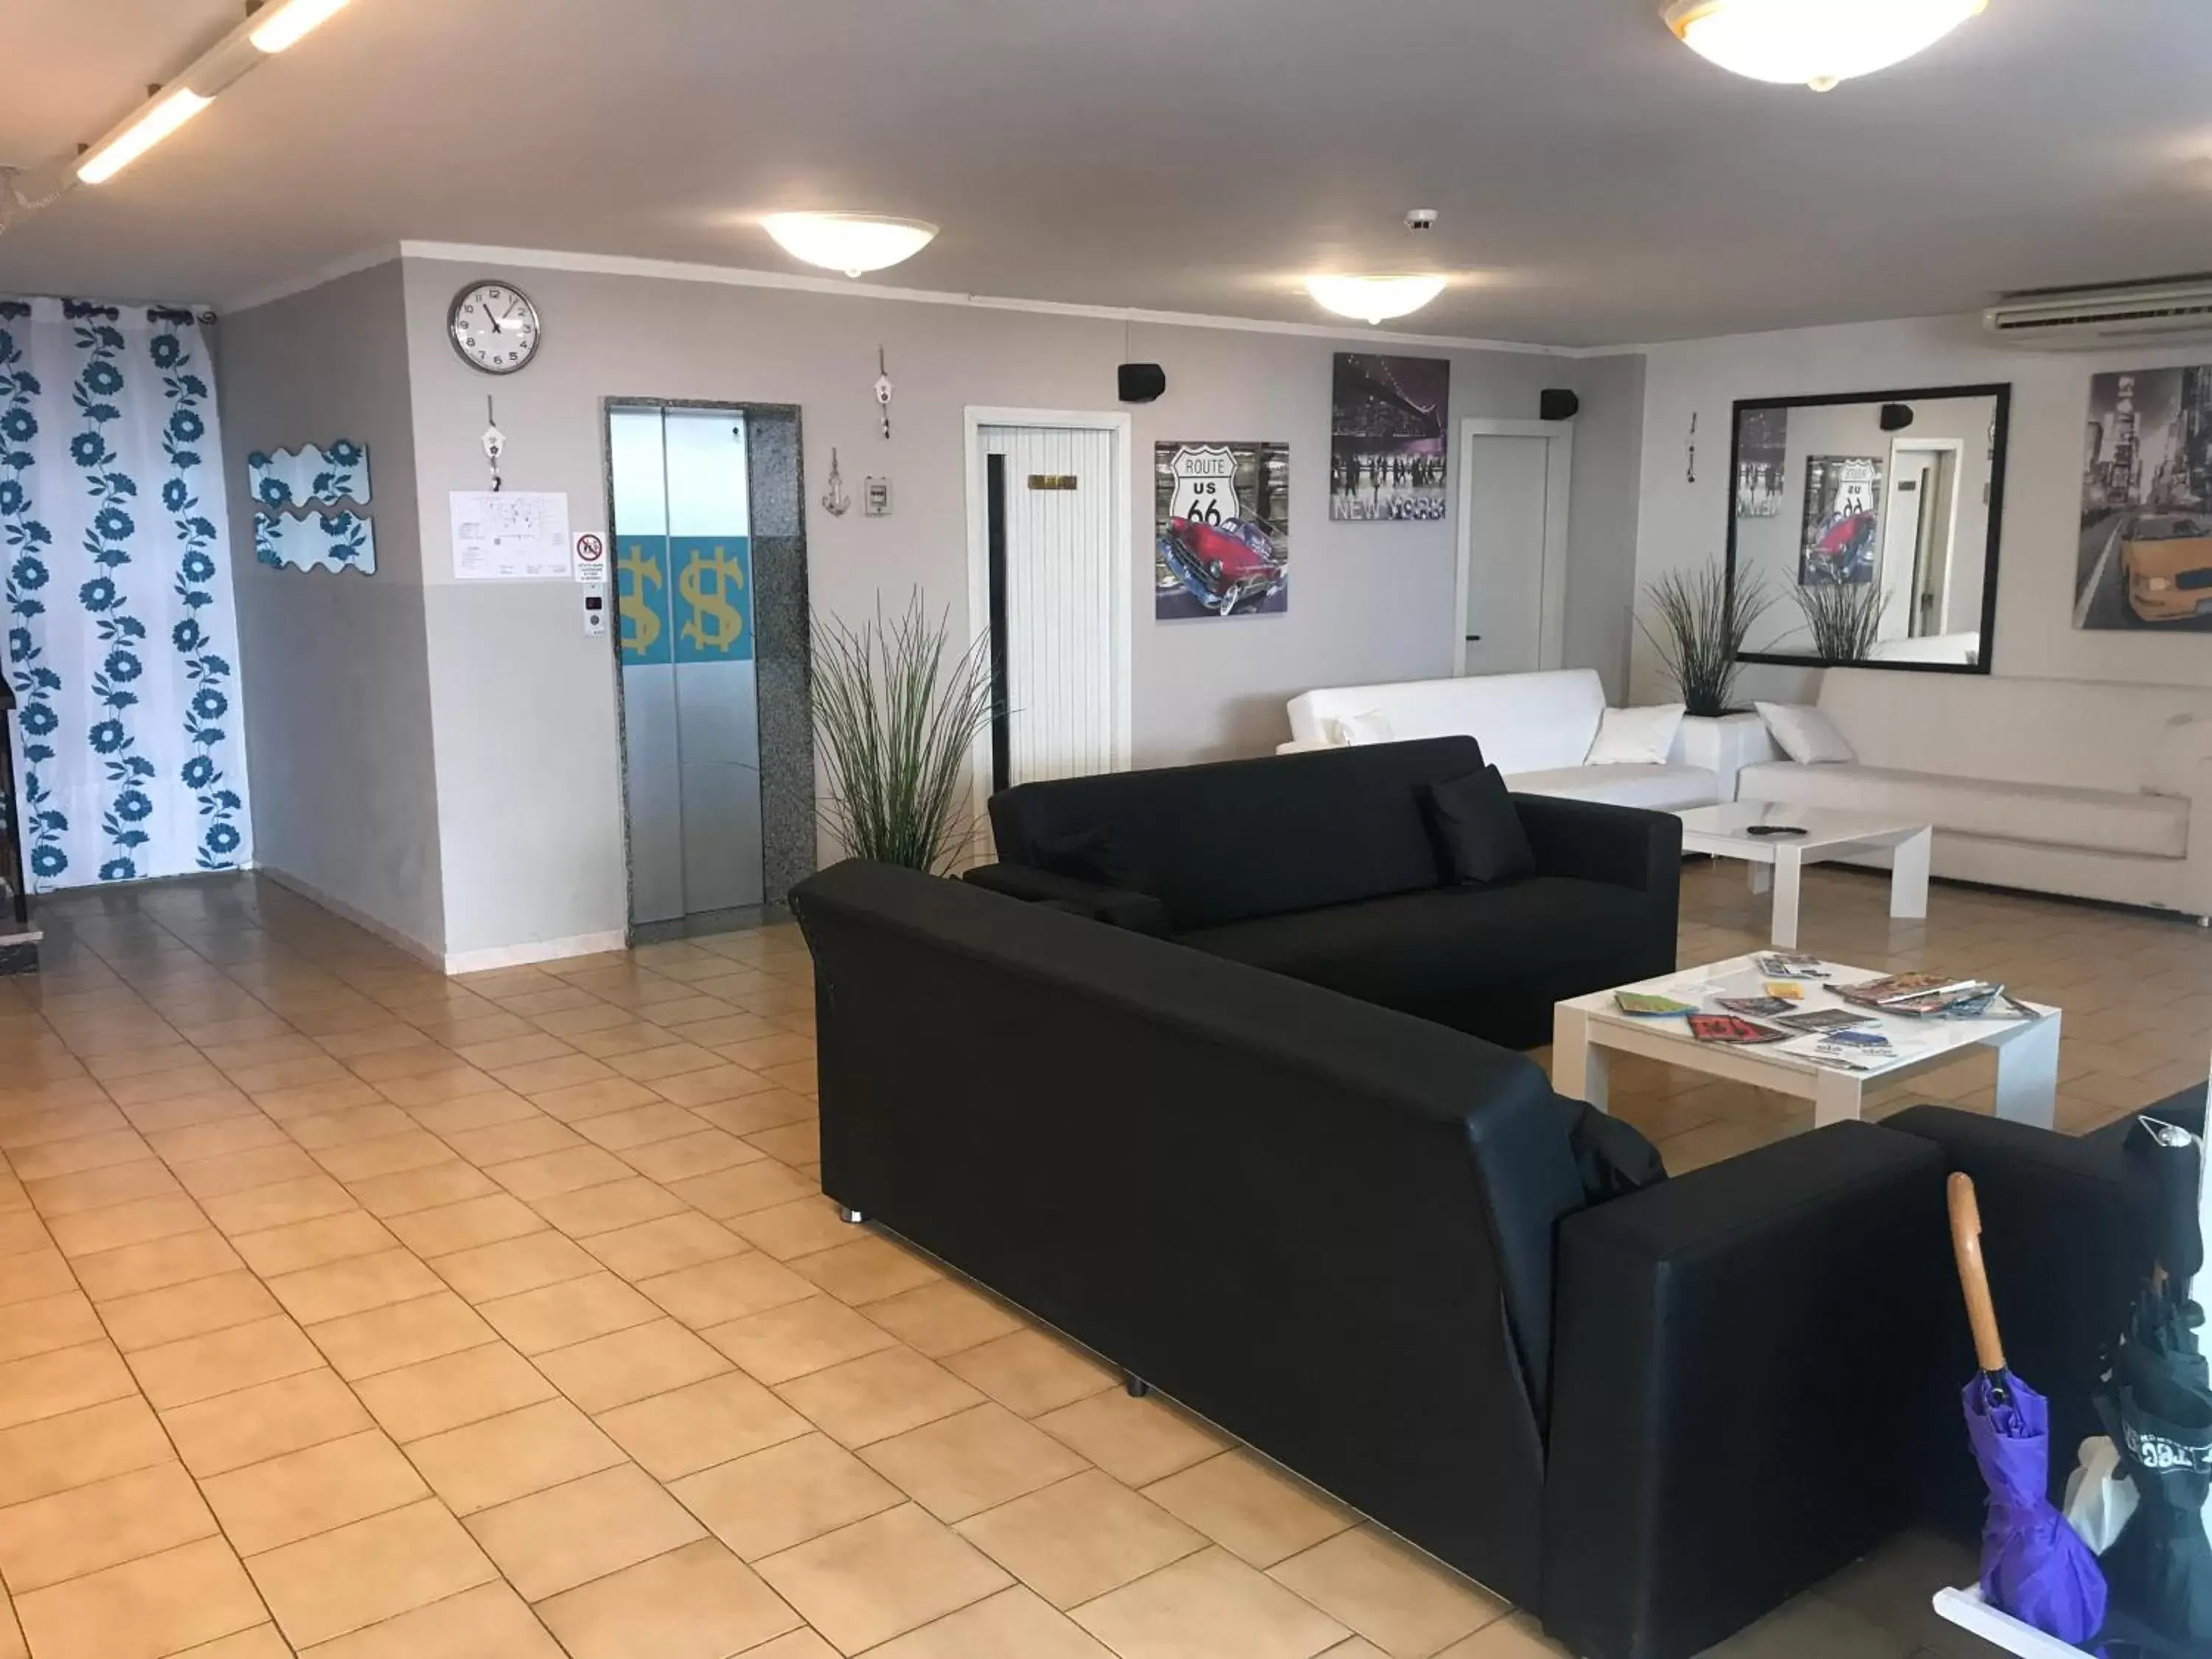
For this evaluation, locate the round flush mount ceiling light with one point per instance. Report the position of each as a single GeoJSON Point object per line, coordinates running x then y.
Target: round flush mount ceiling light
{"type": "Point", "coordinates": [1815, 42]}
{"type": "Point", "coordinates": [1374, 299]}
{"type": "Point", "coordinates": [855, 243]}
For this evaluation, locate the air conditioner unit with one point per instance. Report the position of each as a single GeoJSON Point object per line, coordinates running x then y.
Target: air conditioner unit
{"type": "Point", "coordinates": [2079, 319]}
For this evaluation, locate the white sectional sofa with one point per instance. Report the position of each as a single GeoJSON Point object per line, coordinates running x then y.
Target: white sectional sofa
{"type": "Point", "coordinates": [2093, 791]}
{"type": "Point", "coordinates": [1537, 729]}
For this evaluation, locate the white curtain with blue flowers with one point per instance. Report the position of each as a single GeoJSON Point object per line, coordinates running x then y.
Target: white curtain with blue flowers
{"type": "Point", "coordinates": [122, 641]}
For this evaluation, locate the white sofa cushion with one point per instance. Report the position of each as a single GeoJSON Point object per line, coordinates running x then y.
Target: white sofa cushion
{"type": "Point", "coordinates": [1637, 737]}
{"type": "Point", "coordinates": [2108, 820]}
{"type": "Point", "coordinates": [1524, 722]}
{"type": "Point", "coordinates": [1372, 726]}
{"type": "Point", "coordinates": [2184, 743]}
{"type": "Point", "coordinates": [1658, 788]}
{"type": "Point", "coordinates": [1807, 735]}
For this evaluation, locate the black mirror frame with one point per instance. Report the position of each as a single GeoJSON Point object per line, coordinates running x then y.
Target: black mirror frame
{"type": "Point", "coordinates": [2003, 393]}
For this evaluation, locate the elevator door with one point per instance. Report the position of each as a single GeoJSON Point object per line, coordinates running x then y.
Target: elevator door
{"type": "Point", "coordinates": [690, 718]}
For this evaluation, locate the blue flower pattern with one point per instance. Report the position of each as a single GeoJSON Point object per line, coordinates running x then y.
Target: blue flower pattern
{"type": "Point", "coordinates": [26, 545]}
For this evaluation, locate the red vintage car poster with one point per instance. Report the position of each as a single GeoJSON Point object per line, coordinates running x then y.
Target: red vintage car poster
{"type": "Point", "coordinates": [1223, 530]}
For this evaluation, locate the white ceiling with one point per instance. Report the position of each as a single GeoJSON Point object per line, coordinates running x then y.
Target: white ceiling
{"type": "Point", "coordinates": [1599, 183]}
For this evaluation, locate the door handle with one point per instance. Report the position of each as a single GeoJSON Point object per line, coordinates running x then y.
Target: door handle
{"type": "Point", "coordinates": [1475, 639]}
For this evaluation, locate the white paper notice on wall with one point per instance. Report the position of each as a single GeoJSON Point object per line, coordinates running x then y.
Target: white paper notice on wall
{"type": "Point", "coordinates": [510, 535]}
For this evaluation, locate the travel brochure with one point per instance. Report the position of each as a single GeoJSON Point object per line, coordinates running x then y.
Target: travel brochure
{"type": "Point", "coordinates": [1849, 1038]}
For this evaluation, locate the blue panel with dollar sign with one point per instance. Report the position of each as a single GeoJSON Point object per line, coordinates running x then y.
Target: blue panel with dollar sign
{"type": "Point", "coordinates": [713, 598]}
{"type": "Point", "coordinates": [643, 599]}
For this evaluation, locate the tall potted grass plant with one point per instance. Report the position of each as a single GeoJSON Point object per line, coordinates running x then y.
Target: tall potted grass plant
{"type": "Point", "coordinates": [1702, 621]}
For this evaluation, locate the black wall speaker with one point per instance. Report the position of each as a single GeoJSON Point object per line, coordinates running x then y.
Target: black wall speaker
{"type": "Point", "coordinates": [1558, 403]}
{"type": "Point", "coordinates": [1142, 383]}
{"type": "Point", "coordinates": [1895, 417]}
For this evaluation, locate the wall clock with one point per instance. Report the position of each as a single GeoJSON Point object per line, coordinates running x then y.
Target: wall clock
{"type": "Point", "coordinates": [494, 326]}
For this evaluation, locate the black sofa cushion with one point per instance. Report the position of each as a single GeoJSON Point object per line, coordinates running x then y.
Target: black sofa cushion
{"type": "Point", "coordinates": [1479, 837]}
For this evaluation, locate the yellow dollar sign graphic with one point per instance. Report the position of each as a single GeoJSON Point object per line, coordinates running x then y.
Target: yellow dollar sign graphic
{"type": "Point", "coordinates": [715, 622]}
{"type": "Point", "coordinates": [640, 618]}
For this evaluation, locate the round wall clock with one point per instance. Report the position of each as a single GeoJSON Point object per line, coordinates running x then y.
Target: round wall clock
{"type": "Point", "coordinates": [494, 326]}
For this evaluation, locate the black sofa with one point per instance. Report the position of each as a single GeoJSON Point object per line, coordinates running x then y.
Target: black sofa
{"type": "Point", "coordinates": [1320, 865]}
{"type": "Point", "coordinates": [1364, 1243]}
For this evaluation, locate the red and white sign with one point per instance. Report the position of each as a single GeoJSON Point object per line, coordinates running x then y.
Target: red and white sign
{"type": "Point", "coordinates": [590, 566]}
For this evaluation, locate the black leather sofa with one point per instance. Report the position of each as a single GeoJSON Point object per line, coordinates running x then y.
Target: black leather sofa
{"type": "Point", "coordinates": [1364, 1243]}
{"type": "Point", "coordinates": [1320, 865]}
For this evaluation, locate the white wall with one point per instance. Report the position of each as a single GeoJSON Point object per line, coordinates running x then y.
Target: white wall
{"type": "Point", "coordinates": [528, 762]}
{"type": "Point", "coordinates": [1683, 525]}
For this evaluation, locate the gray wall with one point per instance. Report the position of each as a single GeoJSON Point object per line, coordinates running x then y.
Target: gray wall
{"type": "Point", "coordinates": [519, 828]}
{"type": "Point", "coordinates": [335, 668]}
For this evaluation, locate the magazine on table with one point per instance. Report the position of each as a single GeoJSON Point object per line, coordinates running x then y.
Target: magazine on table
{"type": "Point", "coordinates": [1645, 1005]}
{"type": "Point", "coordinates": [1935, 996]}
{"type": "Point", "coordinates": [1757, 1007]}
{"type": "Point", "coordinates": [1817, 1020]}
{"type": "Point", "coordinates": [1791, 964]}
{"type": "Point", "coordinates": [1733, 1028]}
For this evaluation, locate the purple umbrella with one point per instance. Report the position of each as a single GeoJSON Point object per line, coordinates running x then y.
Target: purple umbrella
{"type": "Point", "coordinates": [2034, 1566]}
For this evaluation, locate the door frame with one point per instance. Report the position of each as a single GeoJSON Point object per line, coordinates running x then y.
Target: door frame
{"type": "Point", "coordinates": [1121, 426]}
{"type": "Point", "coordinates": [1559, 492]}
{"type": "Point", "coordinates": [1956, 449]}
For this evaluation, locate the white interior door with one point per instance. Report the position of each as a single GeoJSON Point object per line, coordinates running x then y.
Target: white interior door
{"type": "Point", "coordinates": [1514, 478]}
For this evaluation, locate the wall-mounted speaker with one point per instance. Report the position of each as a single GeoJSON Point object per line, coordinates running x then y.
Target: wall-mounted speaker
{"type": "Point", "coordinates": [1895, 417]}
{"type": "Point", "coordinates": [1142, 383]}
{"type": "Point", "coordinates": [1558, 403]}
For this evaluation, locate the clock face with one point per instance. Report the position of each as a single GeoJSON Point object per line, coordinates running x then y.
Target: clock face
{"type": "Point", "coordinates": [495, 327]}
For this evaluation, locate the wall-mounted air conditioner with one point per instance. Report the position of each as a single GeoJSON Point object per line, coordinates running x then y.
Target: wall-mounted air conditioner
{"type": "Point", "coordinates": [2078, 319]}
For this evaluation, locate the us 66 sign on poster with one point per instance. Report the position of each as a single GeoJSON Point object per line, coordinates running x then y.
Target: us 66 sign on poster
{"type": "Point", "coordinates": [1223, 543]}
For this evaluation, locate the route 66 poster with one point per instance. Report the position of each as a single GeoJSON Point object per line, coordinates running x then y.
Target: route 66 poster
{"type": "Point", "coordinates": [1223, 530]}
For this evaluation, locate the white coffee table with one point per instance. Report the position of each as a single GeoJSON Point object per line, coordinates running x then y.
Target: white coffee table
{"type": "Point", "coordinates": [1587, 1031]}
{"type": "Point", "coordinates": [1725, 832]}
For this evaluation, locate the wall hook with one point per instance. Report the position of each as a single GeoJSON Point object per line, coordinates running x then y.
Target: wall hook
{"type": "Point", "coordinates": [495, 444]}
{"type": "Point", "coordinates": [1693, 446]}
{"type": "Point", "coordinates": [883, 389]}
{"type": "Point", "coordinates": [835, 499]}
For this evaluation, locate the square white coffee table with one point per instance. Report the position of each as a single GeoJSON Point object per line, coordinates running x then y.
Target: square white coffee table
{"type": "Point", "coordinates": [1587, 1031]}
{"type": "Point", "coordinates": [1725, 832]}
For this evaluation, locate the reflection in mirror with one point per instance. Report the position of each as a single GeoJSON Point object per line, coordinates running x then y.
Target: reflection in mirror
{"type": "Point", "coordinates": [1872, 522]}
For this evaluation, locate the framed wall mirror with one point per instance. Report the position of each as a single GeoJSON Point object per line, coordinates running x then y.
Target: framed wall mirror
{"type": "Point", "coordinates": [1870, 521]}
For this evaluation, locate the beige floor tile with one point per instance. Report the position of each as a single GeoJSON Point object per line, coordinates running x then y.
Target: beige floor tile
{"type": "Point", "coordinates": [550, 1174]}
{"type": "Point", "coordinates": [700, 1150]}
{"type": "Point", "coordinates": [608, 1206]}
{"type": "Point", "coordinates": [790, 1229]}
{"type": "Point", "coordinates": [513, 1266]}
{"type": "Point", "coordinates": [570, 1534]}
{"type": "Point", "coordinates": [715, 1292]}
{"type": "Point", "coordinates": [1250, 1508]}
{"type": "Point", "coordinates": [1405, 1603]}
{"type": "Point", "coordinates": [221, 1362]}
{"type": "Point", "coordinates": [515, 1137]}
{"type": "Point", "coordinates": [1135, 1441]}
{"type": "Point", "coordinates": [863, 1400]}
{"type": "Point", "coordinates": [153, 1317]}
{"type": "Point", "coordinates": [387, 1155]}
{"type": "Point", "coordinates": [560, 1073]}
{"type": "Point", "coordinates": [502, 1458]}
{"type": "Point", "coordinates": [802, 1644]}
{"type": "Point", "coordinates": [630, 1365]}
{"type": "Point", "coordinates": [34, 1275]}
{"type": "Point", "coordinates": [783, 1343]}
{"type": "Point", "coordinates": [437, 1087]}
{"type": "Point", "coordinates": [866, 1270]}
{"type": "Point", "coordinates": [239, 1172]}
{"type": "Point", "coordinates": [95, 1230]}
{"type": "Point", "coordinates": [100, 1188]}
{"type": "Point", "coordinates": [708, 1085]}
{"type": "Point", "coordinates": [878, 1578]}
{"type": "Point", "coordinates": [489, 1622]}
{"type": "Point", "coordinates": [289, 1497]}
{"type": "Point", "coordinates": [77, 1448]}
{"type": "Point", "coordinates": [574, 1104]}
{"type": "Point", "coordinates": [59, 1157]}
{"type": "Point", "coordinates": [1013, 1625]}
{"type": "Point", "coordinates": [971, 1461]}
{"type": "Point", "coordinates": [447, 1119]}
{"type": "Point", "coordinates": [1080, 1538]}
{"type": "Point", "coordinates": [356, 1576]}
{"type": "Point", "coordinates": [144, 1610]}
{"type": "Point", "coordinates": [1031, 1372]}
{"type": "Point", "coordinates": [262, 1642]}
{"type": "Point", "coordinates": [664, 1245]}
{"type": "Point", "coordinates": [698, 1602]}
{"type": "Point", "coordinates": [941, 1317]}
{"type": "Point", "coordinates": [794, 1143]}
{"type": "Point", "coordinates": [1518, 1638]}
{"type": "Point", "coordinates": [196, 1141]}
{"type": "Point", "coordinates": [537, 1322]}
{"type": "Point", "coordinates": [1208, 1606]}
{"type": "Point", "coordinates": [354, 1285]}
{"type": "Point", "coordinates": [435, 1395]}
{"type": "Point", "coordinates": [773, 1499]}
{"type": "Point", "coordinates": [260, 1208]}
{"type": "Point", "coordinates": [230, 1430]}
{"type": "Point", "coordinates": [766, 1111]}
{"type": "Point", "coordinates": [639, 1126]}
{"type": "Point", "coordinates": [365, 1345]}
{"type": "Point", "coordinates": [50, 1322]}
{"type": "Point", "coordinates": [66, 1380]}
{"type": "Point", "coordinates": [685, 1430]}
{"type": "Point", "coordinates": [314, 1243]}
{"type": "Point", "coordinates": [469, 1224]}
{"type": "Point", "coordinates": [102, 1525]}
{"type": "Point", "coordinates": [746, 1189]}
{"type": "Point", "coordinates": [391, 1196]}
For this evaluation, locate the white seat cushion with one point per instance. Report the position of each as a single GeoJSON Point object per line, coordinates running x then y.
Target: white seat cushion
{"type": "Point", "coordinates": [1660, 788]}
{"type": "Point", "coordinates": [2106, 821]}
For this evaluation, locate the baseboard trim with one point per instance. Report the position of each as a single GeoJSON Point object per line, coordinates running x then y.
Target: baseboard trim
{"type": "Point", "coordinates": [525, 955]}
{"type": "Point", "coordinates": [426, 954]}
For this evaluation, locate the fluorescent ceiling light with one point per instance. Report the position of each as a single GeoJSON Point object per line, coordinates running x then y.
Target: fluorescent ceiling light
{"type": "Point", "coordinates": [853, 243]}
{"type": "Point", "coordinates": [290, 22]}
{"type": "Point", "coordinates": [155, 123]}
{"type": "Point", "coordinates": [1815, 42]}
{"type": "Point", "coordinates": [1374, 299]}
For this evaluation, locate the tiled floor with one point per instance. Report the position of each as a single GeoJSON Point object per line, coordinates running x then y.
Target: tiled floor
{"type": "Point", "coordinates": [350, 1311]}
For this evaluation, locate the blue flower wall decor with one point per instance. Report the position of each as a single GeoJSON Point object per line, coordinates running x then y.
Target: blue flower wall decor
{"type": "Point", "coordinates": [294, 492]}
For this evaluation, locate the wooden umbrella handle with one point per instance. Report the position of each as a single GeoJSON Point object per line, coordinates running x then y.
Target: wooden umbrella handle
{"type": "Point", "coordinates": [1973, 1276]}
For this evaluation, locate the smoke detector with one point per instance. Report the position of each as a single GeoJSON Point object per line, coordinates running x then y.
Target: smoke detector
{"type": "Point", "coordinates": [1421, 219]}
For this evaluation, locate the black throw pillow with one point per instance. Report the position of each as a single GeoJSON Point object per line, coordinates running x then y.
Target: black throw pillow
{"type": "Point", "coordinates": [1091, 855]}
{"type": "Point", "coordinates": [1479, 837]}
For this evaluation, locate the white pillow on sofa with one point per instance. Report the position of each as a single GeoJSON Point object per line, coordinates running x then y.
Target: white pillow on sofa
{"type": "Point", "coordinates": [1371, 726]}
{"type": "Point", "coordinates": [1637, 737]}
{"type": "Point", "coordinates": [1807, 736]}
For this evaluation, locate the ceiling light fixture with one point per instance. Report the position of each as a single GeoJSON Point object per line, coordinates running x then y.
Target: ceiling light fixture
{"type": "Point", "coordinates": [267, 30]}
{"type": "Point", "coordinates": [1374, 299]}
{"type": "Point", "coordinates": [855, 243]}
{"type": "Point", "coordinates": [1817, 42]}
